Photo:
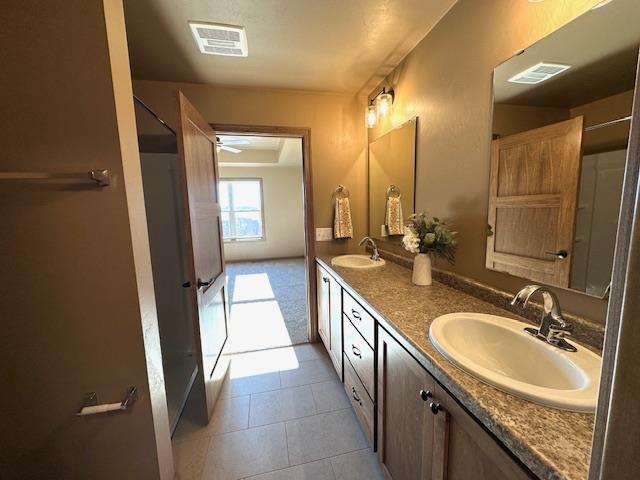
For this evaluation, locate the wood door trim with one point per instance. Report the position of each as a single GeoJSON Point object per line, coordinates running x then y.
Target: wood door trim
{"type": "Point", "coordinates": [304, 134]}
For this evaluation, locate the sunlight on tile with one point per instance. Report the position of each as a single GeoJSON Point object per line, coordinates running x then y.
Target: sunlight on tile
{"type": "Point", "coordinates": [263, 362]}
{"type": "Point", "coordinates": [255, 325]}
{"type": "Point", "coordinates": [253, 286]}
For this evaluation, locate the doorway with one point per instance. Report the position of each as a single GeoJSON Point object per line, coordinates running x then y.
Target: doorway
{"type": "Point", "coordinates": [263, 192]}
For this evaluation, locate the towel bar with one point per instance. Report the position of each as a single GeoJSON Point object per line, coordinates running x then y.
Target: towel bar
{"type": "Point", "coordinates": [100, 177]}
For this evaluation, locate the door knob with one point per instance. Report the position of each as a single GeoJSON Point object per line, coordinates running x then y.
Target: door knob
{"type": "Point", "coordinates": [425, 395]}
{"type": "Point", "coordinates": [204, 283]}
{"type": "Point", "coordinates": [186, 285]}
{"type": "Point", "coordinates": [435, 407]}
{"type": "Point", "coordinates": [561, 254]}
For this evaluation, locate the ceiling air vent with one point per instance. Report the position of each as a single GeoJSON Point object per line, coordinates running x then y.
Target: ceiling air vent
{"type": "Point", "coordinates": [216, 39]}
{"type": "Point", "coordinates": [539, 73]}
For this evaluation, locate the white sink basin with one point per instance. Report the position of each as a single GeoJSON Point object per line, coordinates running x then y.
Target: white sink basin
{"type": "Point", "coordinates": [356, 261]}
{"type": "Point", "coordinates": [497, 351]}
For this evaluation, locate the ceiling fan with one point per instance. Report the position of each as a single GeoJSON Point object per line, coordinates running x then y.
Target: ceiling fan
{"type": "Point", "coordinates": [226, 144]}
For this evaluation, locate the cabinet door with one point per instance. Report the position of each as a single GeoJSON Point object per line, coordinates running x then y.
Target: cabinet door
{"type": "Point", "coordinates": [405, 422]}
{"type": "Point", "coordinates": [323, 306]}
{"type": "Point", "coordinates": [335, 327]}
{"type": "Point", "coordinates": [463, 449]}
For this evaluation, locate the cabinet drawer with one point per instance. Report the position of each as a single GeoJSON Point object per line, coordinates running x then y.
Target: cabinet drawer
{"type": "Point", "coordinates": [360, 354]}
{"type": "Point", "coordinates": [360, 400]}
{"type": "Point", "coordinates": [360, 318]}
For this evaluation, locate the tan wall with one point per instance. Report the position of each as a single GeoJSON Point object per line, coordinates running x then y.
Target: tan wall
{"type": "Point", "coordinates": [283, 214]}
{"type": "Point", "coordinates": [446, 81]}
{"type": "Point", "coordinates": [77, 295]}
{"type": "Point", "coordinates": [338, 135]}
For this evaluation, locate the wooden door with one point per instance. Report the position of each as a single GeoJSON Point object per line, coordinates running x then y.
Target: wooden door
{"type": "Point", "coordinates": [533, 194]}
{"type": "Point", "coordinates": [323, 295]}
{"type": "Point", "coordinates": [197, 148]}
{"type": "Point", "coordinates": [335, 324]}
{"type": "Point", "coordinates": [405, 422]}
{"type": "Point", "coordinates": [464, 450]}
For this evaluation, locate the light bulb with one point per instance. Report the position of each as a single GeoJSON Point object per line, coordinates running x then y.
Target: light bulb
{"type": "Point", "coordinates": [384, 102]}
{"type": "Point", "coordinates": [372, 116]}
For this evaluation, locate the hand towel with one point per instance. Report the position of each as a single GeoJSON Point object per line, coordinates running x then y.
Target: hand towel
{"type": "Point", "coordinates": [393, 216]}
{"type": "Point", "coordinates": [342, 226]}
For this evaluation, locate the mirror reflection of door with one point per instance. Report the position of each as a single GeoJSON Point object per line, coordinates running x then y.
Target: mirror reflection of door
{"type": "Point", "coordinates": [567, 75]}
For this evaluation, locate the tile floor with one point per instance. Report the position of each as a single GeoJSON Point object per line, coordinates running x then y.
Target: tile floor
{"type": "Point", "coordinates": [268, 304]}
{"type": "Point", "coordinates": [282, 415]}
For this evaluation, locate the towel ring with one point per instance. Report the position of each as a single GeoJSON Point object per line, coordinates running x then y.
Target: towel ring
{"type": "Point", "coordinates": [341, 192]}
{"type": "Point", "coordinates": [393, 191]}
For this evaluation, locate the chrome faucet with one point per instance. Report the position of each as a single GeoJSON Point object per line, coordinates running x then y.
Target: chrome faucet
{"type": "Point", "coordinates": [553, 326]}
{"type": "Point", "coordinates": [375, 256]}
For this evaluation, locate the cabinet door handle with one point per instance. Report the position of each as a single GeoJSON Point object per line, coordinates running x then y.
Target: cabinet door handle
{"type": "Point", "coordinates": [435, 407]}
{"type": "Point", "coordinates": [355, 396]}
{"type": "Point", "coordinates": [356, 351]}
{"type": "Point", "coordinates": [325, 279]}
{"type": "Point", "coordinates": [425, 395]}
{"type": "Point", "coordinates": [355, 314]}
{"type": "Point", "coordinates": [560, 254]}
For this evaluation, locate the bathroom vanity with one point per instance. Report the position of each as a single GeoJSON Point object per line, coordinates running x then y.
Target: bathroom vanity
{"type": "Point", "coordinates": [423, 416]}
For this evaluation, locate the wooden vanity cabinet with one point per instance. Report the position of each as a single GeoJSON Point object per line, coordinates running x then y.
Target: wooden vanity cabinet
{"type": "Point", "coordinates": [424, 434]}
{"type": "Point", "coordinates": [405, 423]}
{"type": "Point", "coordinates": [329, 298]}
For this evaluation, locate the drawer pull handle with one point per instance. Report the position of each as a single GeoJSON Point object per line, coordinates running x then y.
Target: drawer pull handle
{"type": "Point", "coordinates": [356, 314]}
{"type": "Point", "coordinates": [425, 395]}
{"type": "Point", "coordinates": [356, 351]}
{"type": "Point", "coordinates": [355, 395]}
{"type": "Point", "coordinates": [325, 279]}
{"type": "Point", "coordinates": [435, 407]}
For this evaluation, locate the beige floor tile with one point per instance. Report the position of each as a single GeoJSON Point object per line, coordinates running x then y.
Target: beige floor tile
{"type": "Point", "coordinates": [230, 414]}
{"type": "Point", "coordinates": [329, 396]}
{"type": "Point", "coordinates": [360, 465]}
{"type": "Point", "coordinates": [320, 470]}
{"type": "Point", "coordinates": [189, 456]}
{"type": "Point", "coordinates": [281, 405]}
{"type": "Point", "coordinates": [324, 435]}
{"type": "Point", "coordinates": [309, 351]}
{"type": "Point", "coordinates": [235, 455]}
{"type": "Point", "coordinates": [245, 385]}
{"type": "Point", "coordinates": [312, 371]}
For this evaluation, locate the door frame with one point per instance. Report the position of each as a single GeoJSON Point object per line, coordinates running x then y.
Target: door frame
{"type": "Point", "coordinates": [305, 135]}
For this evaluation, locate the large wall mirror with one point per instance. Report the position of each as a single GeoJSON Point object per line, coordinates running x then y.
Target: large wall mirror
{"type": "Point", "coordinates": [392, 166]}
{"type": "Point", "coordinates": [561, 118]}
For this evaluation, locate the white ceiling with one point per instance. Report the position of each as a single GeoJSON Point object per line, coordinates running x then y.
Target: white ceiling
{"type": "Point", "coordinates": [325, 45]}
{"type": "Point", "coordinates": [255, 143]}
{"type": "Point", "coordinates": [262, 152]}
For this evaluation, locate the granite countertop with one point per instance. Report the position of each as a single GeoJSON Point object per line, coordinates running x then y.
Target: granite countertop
{"type": "Point", "coordinates": [553, 444]}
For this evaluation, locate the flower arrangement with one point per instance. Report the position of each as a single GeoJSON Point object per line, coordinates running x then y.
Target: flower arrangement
{"type": "Point", "coordinates": [426, 234]}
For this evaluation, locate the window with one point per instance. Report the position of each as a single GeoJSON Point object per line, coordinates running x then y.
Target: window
{"type": "Point", "coordinates": [241, 204]}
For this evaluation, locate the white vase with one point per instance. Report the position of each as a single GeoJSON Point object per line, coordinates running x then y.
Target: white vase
{"type": "Point", "coordinates": [422, 269]}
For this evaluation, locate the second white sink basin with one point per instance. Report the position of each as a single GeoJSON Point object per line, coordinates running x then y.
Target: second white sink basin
{"type": "Point", "coordinates": [497, 351]}
{"type": "Point", "coordinates": [356, 261]}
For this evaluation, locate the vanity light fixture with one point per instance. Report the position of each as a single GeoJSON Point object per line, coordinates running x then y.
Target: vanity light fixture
{"type": "Point", "coordinates": [372, 115]}
{"type": "Point", "coordinates": [379, 106]}
{"type": "Point", "coordinates": [384, 100]}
